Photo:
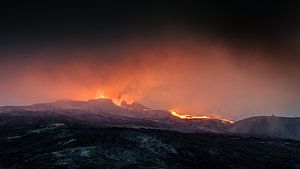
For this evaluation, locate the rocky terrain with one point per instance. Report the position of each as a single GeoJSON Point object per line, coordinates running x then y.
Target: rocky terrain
{"type": "Point", "coordinates": [104, 113]}
{"type": "Point", "coordinates": [101, 134]}
{"type": "Point", "coordinates": [270, 126]}
{"type": "Point", "coordinates": [61, 146]}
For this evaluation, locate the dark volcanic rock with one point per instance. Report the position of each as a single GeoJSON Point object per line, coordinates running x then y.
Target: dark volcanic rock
{"type": "Point", "coordinates": [103, 113]}
{"type": "Point", "coordinates": [134, 105]}
{"type": "Point", "coordinates": [60, 146]}
{"type": "Point", "coordinates": [270, 126]}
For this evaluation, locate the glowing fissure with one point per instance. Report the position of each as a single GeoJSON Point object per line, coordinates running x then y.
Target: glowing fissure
{"type": "Point", "coordinates": [186, 116]}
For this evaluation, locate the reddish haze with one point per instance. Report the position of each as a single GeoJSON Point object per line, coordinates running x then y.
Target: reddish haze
{"type": "Point", "coordinates": [195, 76]}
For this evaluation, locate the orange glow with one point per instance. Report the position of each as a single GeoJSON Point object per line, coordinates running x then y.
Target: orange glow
{"type": "Point", "coordinates": [185, 116]}
{"type": "Point", "coordinates": [179, 72]}
{"type": "Point", "coordinates": [101, 95]}
{"type": "Point", "coordinates": [117, 98]}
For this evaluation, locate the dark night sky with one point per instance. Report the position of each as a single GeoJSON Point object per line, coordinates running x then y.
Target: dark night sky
{"type": "Point", "coordinates": [254, 20]}
{"type": "Point", "coordinates": [60, 49]}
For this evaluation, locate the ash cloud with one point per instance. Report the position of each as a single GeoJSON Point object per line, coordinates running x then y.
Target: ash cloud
{"type": "Point", "coordinates": [188, 73]}
{"type": "Point", "coordinates": [232, 60]}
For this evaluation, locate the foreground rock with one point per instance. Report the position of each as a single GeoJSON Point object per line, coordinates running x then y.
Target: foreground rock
{"type": "Point", "coordinates": [61, 146]}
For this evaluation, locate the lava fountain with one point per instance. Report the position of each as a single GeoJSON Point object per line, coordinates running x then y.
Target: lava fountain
{"type": "Point", "coordinates": [115, 96]}
{"type": "Point", "coordinates": [102, 95]}
{"type": "Point", "coordinates": [117, 99]}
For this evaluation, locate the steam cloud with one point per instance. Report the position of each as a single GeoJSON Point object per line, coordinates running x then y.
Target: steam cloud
{"type": "Point", "coordinates": [191, 74]}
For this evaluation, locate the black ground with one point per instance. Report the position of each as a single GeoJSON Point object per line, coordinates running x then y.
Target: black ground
{"type": "Point", "coordinates": [60, 146]}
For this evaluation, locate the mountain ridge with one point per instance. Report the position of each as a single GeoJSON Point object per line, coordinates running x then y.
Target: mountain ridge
{"type": "Point", "coordinates": [105, 113]}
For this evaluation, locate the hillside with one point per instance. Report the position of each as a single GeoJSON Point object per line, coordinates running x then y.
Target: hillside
{"type": "Point", "coordinates": [61, 146]}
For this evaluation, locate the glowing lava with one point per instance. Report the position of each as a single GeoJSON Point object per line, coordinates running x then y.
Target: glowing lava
{"type": "Point", "coordinates": [185, 116]}
{"type": "Point", "coordinates": [101, 95]}
{"type": "Point", "coordinates": [118, 99]}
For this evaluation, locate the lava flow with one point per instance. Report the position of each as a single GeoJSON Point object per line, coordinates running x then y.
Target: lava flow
{"type": "Point", "coordinates": [185, 116]}
{"type": "Point", "coordinates": [118, 99]}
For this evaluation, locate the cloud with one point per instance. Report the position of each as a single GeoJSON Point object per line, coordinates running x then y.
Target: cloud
{"type": "Point", "coordinates": [193, 74]}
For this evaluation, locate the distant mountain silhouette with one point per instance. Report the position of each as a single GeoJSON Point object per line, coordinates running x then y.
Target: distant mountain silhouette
{"type": "Point", "coordinates": [269, 126]}
{"type": "Point", "coordinates": [104, 113]}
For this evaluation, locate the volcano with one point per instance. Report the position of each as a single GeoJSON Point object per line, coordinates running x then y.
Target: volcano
{"type": "Point", "coordinates": [101, 134]}
{"type": "Point", "coordinates": [105, 113]}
